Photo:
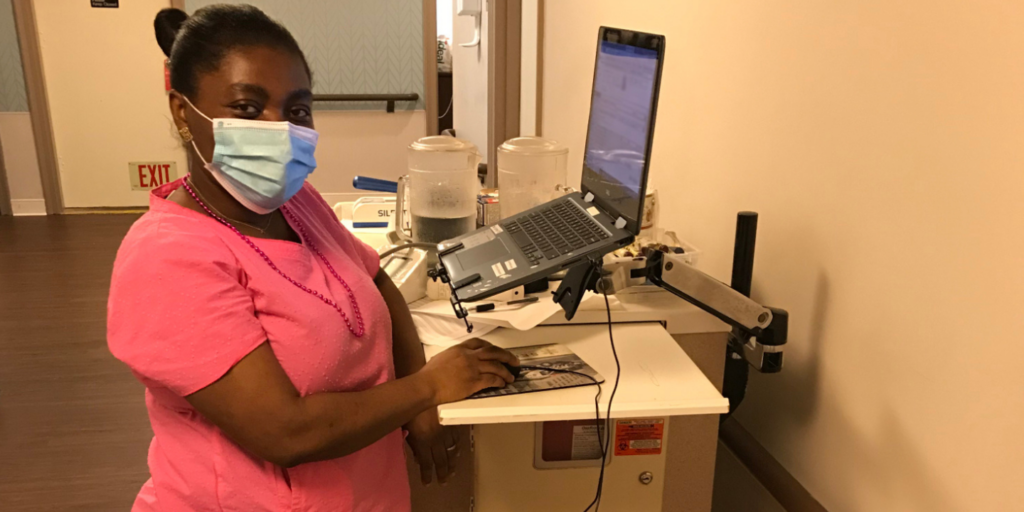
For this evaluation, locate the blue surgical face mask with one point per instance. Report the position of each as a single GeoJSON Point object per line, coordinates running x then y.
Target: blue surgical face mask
{"type": "Point", "coordinates": [262, 164]}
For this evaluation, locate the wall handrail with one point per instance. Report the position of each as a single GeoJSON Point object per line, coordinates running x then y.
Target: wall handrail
{"type": "Point", "coordinates": [390, 99]}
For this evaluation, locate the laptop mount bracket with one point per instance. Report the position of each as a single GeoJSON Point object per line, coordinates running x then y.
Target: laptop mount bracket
{"type": "Point", "coordinates": [583, 276]}
{"type": "Point", "coordinates": [439, 272]}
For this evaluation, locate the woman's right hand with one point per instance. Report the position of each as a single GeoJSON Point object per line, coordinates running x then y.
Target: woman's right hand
{"type": "Point", "coordinates": [467, 368]}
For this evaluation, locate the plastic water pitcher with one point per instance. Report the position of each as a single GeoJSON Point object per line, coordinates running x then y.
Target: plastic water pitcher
{"type": "Point", "coordinates": [531, 171]}
{"type": "Point", "coordinates": [441, 189]}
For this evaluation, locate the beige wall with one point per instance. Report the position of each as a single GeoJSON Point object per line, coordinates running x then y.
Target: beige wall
{"type": "Point", "coordinates": [881, 144]}
{"type": "Point", "coordinates": [105, 82]}
{"type": "Point", "coordinates": [19, 153]}
{"type": "Point", "coordinates": [104, 78]}
{"type": "Point", "coordinates": [362, 143]}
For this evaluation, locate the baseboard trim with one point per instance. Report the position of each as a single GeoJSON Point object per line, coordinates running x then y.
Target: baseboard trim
{"type": "Point", "coordinates": [785, 488]}
{"type": "Point", "coordinates": [105, 210]}
{"type": "Point", "coordinates": [28, 207]}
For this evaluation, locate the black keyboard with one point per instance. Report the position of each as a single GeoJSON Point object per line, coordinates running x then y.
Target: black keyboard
{"type": "Point", "coordinates": [559, 229]}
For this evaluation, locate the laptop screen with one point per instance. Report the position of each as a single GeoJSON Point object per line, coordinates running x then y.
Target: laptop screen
{"type": "Point", "coordinates": [622, 108]}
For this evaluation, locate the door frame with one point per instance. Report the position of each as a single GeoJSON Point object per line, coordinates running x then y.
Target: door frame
{"type": "Point", "coordinates": [430, 65]}
{"type": "Point", "coordinates": [5, 193]}
{"type": "Point", "coordinates": [38, 105]}
{"type": "Point", "coordinates": [540, 68]}
{"type": "Point", "coordinates": [504, 73]}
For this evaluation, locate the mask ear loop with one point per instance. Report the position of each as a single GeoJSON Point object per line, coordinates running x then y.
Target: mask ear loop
{"type": "Point", "coordinates": [191, 139]}
{"type": "Point", "coordinates": [200, 155]}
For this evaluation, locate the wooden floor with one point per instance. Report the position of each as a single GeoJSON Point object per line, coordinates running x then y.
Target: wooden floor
{"type": "Point", "coordinates": [73, 425]}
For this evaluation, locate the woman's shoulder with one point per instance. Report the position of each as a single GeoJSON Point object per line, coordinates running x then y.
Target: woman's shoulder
{"type": "Point", "coordinates": [160, 238]}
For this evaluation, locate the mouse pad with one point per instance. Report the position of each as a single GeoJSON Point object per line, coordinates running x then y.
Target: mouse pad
{"type": "Point", "coordinates": [543, 360]}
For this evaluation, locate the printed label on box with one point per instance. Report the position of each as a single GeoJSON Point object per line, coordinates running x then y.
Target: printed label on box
{"type": "Point", "coordinates": [639, 437]}
{"type": "Point", "coordinates": [585, 444]}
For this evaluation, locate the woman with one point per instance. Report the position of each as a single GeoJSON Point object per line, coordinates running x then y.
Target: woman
{"type": "Point", "coordinates": [292, 363]}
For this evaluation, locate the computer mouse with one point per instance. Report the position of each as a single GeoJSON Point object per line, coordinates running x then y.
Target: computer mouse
{"type": "Point", "coordinates": [514, 370]}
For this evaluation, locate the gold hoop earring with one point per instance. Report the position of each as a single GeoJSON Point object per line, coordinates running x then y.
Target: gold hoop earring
{"type": "Point", "coordinates": [186, 136]}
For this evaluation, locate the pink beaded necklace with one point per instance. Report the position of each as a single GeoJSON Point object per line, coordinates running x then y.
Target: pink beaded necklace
{"type": "Point", "coordinates": [360, 329]}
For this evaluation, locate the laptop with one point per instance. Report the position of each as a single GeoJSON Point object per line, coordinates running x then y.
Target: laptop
{"type": "Point", "coordinates": [606, 214]}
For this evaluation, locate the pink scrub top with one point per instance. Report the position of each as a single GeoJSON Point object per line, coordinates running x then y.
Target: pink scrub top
{"type": "Point", "coordinates": [215, 301]}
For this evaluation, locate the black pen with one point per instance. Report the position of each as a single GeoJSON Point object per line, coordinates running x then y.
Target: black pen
{"type": "Point", "coordinates": [490, 307]}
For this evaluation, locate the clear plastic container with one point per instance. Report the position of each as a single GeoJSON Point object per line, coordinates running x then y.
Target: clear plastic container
{"type": "Point", "coordinates": [531, 171]}
{"type": "Point", "coordinates": [442, 188]}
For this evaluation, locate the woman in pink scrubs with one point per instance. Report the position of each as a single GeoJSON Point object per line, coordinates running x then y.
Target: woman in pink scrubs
{"type": "Point", "coordinates": [291, 365]}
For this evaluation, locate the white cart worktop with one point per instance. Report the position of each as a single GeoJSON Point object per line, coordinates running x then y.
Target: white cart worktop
{"type": "Point", "coordinates": [658, 378]}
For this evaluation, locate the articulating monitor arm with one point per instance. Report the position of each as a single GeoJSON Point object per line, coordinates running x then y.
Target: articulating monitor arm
{"type": "Point", "coordinates": [759, 332]}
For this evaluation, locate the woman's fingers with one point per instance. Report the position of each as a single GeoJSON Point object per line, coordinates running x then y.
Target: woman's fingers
{"type": "Point", "coordinates": [451, 440]}
{"type": "Point", "coordinates": [475, 343]}
{"type": "Point", "coordinates": [424, 458]}
{"type": "Point", "coordinates": [492, 353]}
{"type": "Point", "coordinates": [495, 381]}
{"type": "Point", "coordinates": [496, 368]}
{"type": "Point", "coordinates": [440, 460]}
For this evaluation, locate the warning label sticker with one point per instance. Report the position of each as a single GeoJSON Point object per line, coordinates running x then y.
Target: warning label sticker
{"type": "Point", "coordinates": [498, 269]}
{"type": "Point", "coordinates": [639, 437]}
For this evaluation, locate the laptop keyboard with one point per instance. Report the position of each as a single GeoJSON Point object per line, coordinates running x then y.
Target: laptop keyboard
{"type": "Point", "coordinates": [559, 229]}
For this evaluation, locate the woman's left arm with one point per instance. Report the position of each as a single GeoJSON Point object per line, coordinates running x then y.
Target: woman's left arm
{"type": "Point", "coordinates": [430, 442]}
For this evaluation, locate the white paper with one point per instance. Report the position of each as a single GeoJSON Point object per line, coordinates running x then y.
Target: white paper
{"type": "Point", "coordinates": [520, 318]}
{"type": "Point", "coordinates": [443, 331]}
{"type": "Point", "coordinates": [524, 318]}
{"type": "Point", "coordinates": [593, 301]}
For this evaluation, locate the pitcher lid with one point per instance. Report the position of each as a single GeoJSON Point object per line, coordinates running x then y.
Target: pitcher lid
{"type": "Point", "coordinates": [533, 146]}
{"type": "Point", "coordinates": [443, 143]}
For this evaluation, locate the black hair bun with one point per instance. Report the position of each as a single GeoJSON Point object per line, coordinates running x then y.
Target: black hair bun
{"type": "Point", "coordinates": [167, 24]}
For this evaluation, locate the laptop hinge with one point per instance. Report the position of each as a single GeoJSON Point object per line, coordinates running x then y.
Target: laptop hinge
{"type": "Point", "coordinates": [620, 223]}
{"type": "Point", "coordinates": [589, 198]}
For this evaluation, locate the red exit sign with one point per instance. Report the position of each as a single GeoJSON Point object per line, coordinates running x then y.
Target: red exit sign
{"type": "Point", "coordinates": [150, 175]}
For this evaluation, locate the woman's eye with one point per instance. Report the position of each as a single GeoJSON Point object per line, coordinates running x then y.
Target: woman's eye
{"type": "Point", "coordinates": [246, 110]}
{"type": "Point", "coordinates": [301, 113]}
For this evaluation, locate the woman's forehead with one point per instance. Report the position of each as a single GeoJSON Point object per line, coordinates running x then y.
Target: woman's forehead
{"type": "Point", "coordinates": [247, 70]}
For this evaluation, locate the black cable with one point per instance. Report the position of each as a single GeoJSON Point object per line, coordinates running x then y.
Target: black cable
{"type": "Point", "coordinates": [404, 246]}
{"type": "Point", "coordinates": [597, 397]}
{"type": "Point", "coordinates": [597, 417]}
{"type": "Point", "coordinates": [608, 415]}
{"type": "Point", "coordinates": [597, 407]}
